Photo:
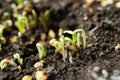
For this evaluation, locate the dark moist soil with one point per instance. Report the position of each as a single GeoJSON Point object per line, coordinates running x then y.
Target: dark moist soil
{"type": "Point", "coordinates": [102, 28]}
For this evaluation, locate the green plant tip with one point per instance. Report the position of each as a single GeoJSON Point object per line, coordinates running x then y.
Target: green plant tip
{"type": "Point", "coordinates": [18, 58]}
{"type": "Point", "coordinates": [76, 37]}
{"type": "Point", "coordinates": [41, 50]}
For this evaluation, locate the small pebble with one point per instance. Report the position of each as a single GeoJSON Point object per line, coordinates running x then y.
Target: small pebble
{"type": "Point", "coordinates": [106, 2]}
{"type": "Point", "coordinates": [96, 68]}
{"type": "Point", "coordinates": [117, 47]}
{"type": "Point", "coordinates": [40, 75]}
{"type": "Point", "coordinates": [27, 77]}
{"type": "Point", "coordinates": [89, 2]}
{"type": "Point", "coordinates": [51, 34]}
{"type": "Point", "coordinates": [105, 73]}
{"type": "Point", "coordinates": [43, 36]}
{"type": "Point", "coordinates": [39, 64]}
{"type": "Point", "coordinates": [13, 39]}
{"type": "Point", "coordinates": [101, 54]}
{"type": "Point", "coordinates": [117, 5]}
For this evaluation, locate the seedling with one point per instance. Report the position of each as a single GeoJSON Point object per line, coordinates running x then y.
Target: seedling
{"type": "Point", "coordinates": [22, 24]}
{"type": "Point", "coordinates": [83, 34]}
{"type": "Point", "coordinates": [18, 58]}
{"type": "Point", "coordinates": [76, 37]}
{"type": "Point", "coordinates": [32, 18]}
{"type": "Point", "coordinates": [56, 44]}
{"type": "Point", "coordinates": [62, 42]}
{"type": "Point", "coordinates": [5, 16]}
{"type": "Point", "coordinates": [2, 39]}
{"type": "Point", "coordinates": [20, 2]}
{"type": "Point", "coordinates": [34, 14]}
{"type": "Point", "coordinates": [41, 50]}
{"type": "Point", "coordinates": [18, 5]}
{"type": "Point", "coordinates": [44, 19]}
{"type": "Point", "coordinates": [60, 45]}
{"type": "Point", "coordinates": [5, 62]}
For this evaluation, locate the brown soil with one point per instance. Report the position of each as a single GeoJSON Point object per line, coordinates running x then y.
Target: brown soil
{"type": "Point", "coordinates": [102, 27]}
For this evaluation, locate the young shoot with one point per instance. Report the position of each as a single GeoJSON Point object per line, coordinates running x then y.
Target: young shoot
{"type": "Point", "coordinates": [78, 40]}
{"type": "Point", "coordinates": [18, 58]}
{"type": "Point", "coordinates": [5, 62]}
{"type": "Point", "coordinates": [44, 19]}
{"type": "Point", "coordinates": [20, 2]}
{"type": "Point", "coordinates": [60, 46]}
{"type": "Point", "coordinates": [22, 24]}
{"type": "Point", "coordinates": [41, 50]}
{"type": "Point", "coordinates": [76, 37]}
{"type": "Point", "coordinates": [6, 16]}
{"type": "Point", "coordinates": [32, 18]}
{"type": "Point", "coordinates": [83, 34]}
{"type": "Point", "coordinates": [62, 42]}
{"type": "Point", "coordinates": [56, 44]}
{"type": "Point", "coordinates": [18, 5]}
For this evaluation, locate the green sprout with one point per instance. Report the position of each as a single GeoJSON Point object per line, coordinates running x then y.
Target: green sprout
{"type": "Point", "coordinates": [2, 39]}
{"type": "Point", "coordinates": [56, 44]}
{"type": "Point", "coordinates": [22, 24]}
{"type": "Point", "coordinates": [5, 62]}
{"type": "Point", "coordinates": [65, 43]}
{"type": "Point", "coordinates": [34, 14]}
{"type": "Point", "coordinates": [41, 50]}
{"type": "Point", "coordinates": [83, 34]}
{"type": "Point", "coordinates": [13, 5]}
{"type": "Point", "coordinates": [20, 2]}
{"type": "Point", "coordinates": [44, 19]}
{"type": "Point", "coordinates": [76, 38]}
{"type": "Point", "coordinates": [5, 16]}
{"type": "Point", "coordinates": [32, 18]}
{"type": "Point", "coordinates": [62, 42]}
{"type": "Point", "coordinates": [60, 45]}
{"type": "Point", "coordinates": [18, 5]}
{"type": "Point", "coordinates": [18, 58]}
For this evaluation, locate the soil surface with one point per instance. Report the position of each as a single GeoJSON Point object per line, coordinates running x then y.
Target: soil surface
{"type": "Point", "coordinates": [102, 26]}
